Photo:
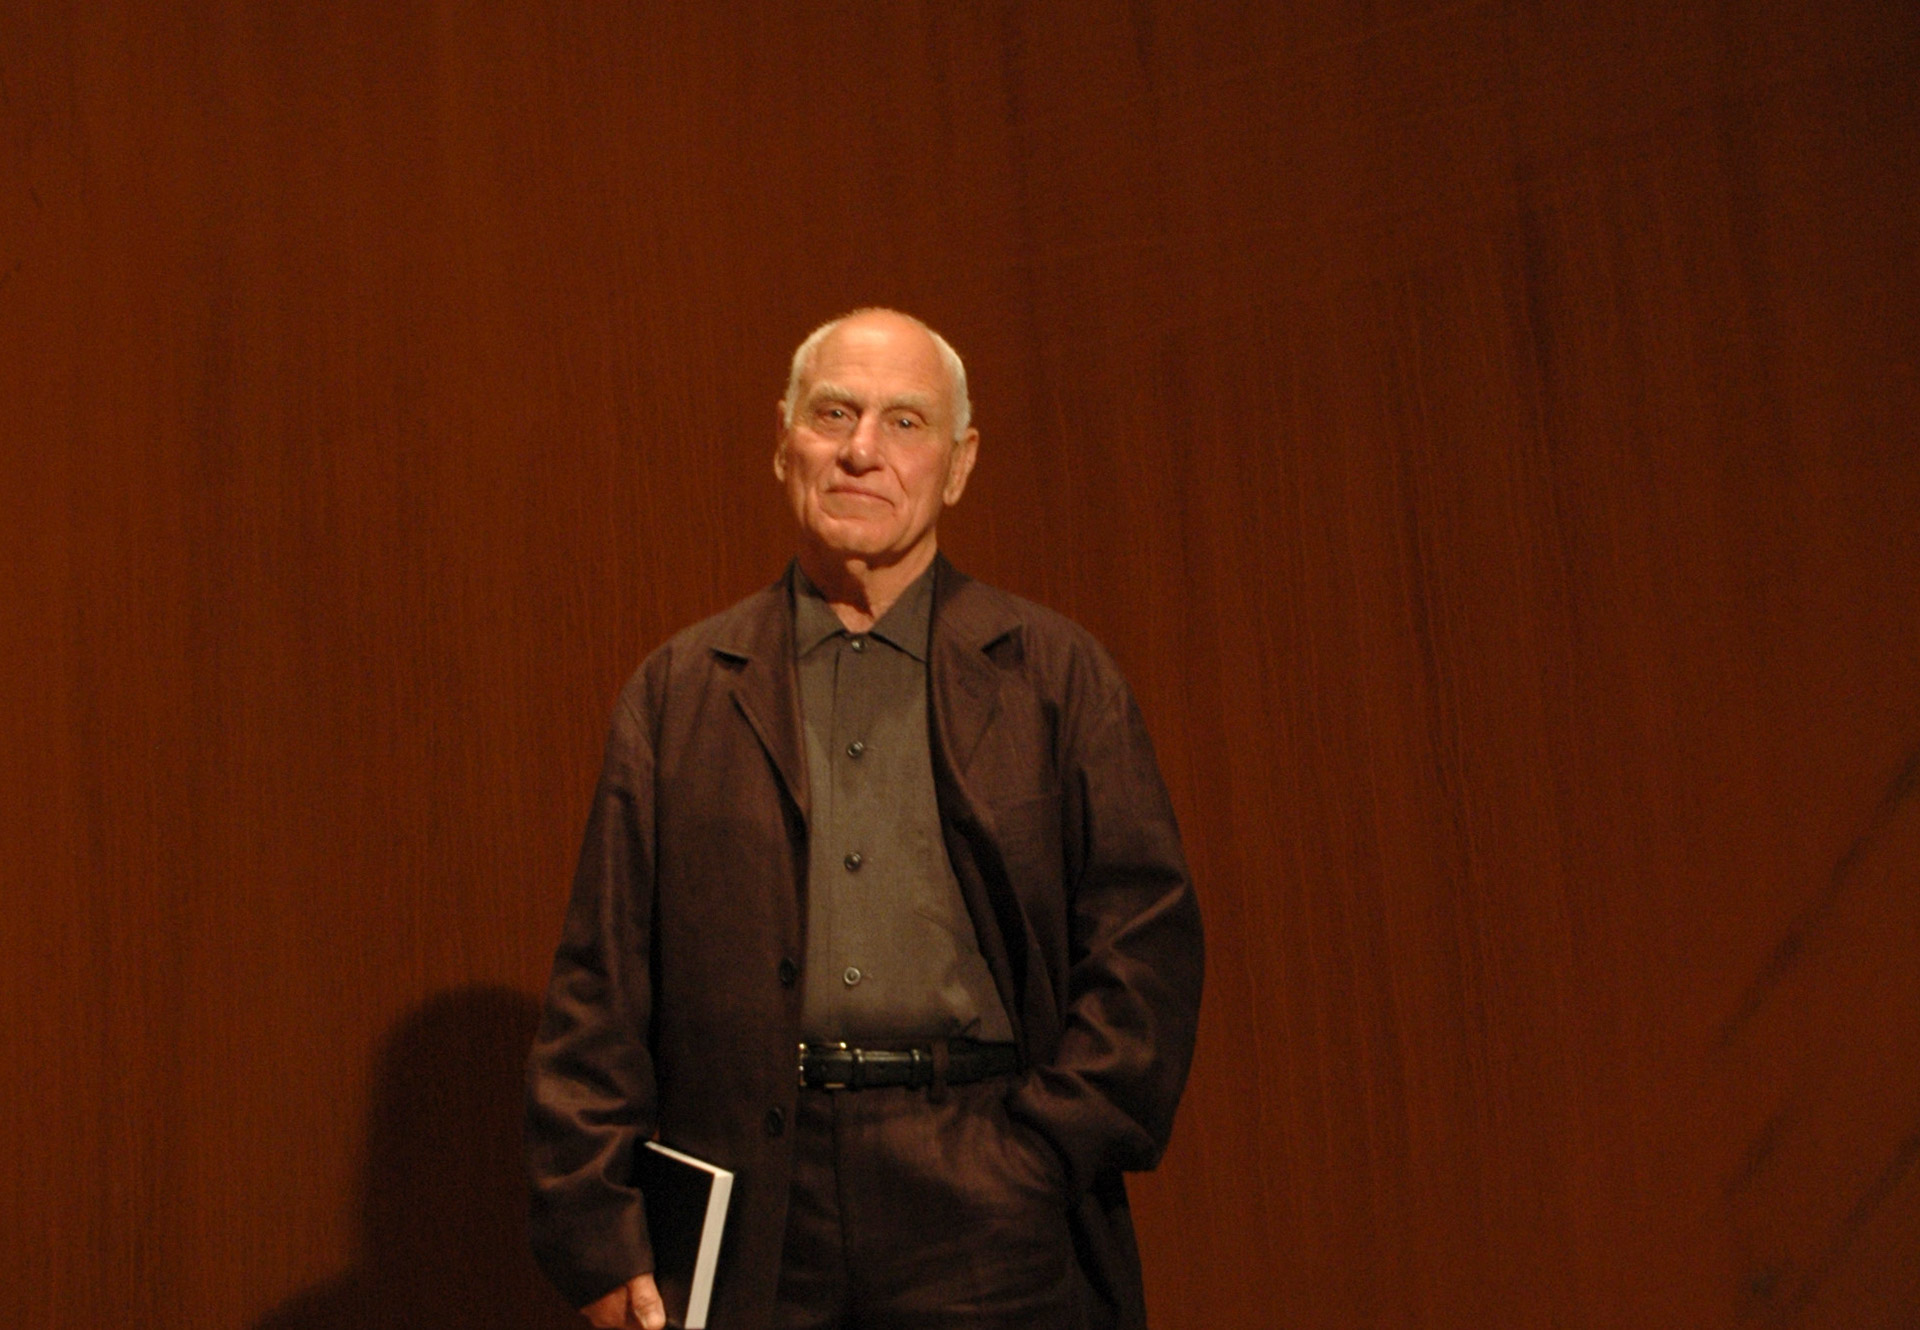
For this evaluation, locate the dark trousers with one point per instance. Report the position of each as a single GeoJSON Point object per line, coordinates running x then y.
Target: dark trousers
{"type": "Point", "coordinates": [913, 1213]}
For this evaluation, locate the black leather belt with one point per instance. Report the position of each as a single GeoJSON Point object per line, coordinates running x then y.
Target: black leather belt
{"type": "Point", "coordinates": [945, 1062]}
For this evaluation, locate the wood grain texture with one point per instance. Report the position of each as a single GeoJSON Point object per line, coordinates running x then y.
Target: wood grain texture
{"type": "Point", "coordinates": [1483, 432]}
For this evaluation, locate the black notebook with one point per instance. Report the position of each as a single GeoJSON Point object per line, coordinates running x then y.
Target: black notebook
{"type": "Point", "coordinates": [686, 1214]}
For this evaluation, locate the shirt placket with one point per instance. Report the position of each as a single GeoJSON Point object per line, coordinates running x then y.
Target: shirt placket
{"type": "Point", "coordinates": [852, 718]}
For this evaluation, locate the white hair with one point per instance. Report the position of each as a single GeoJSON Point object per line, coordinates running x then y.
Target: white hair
{"type": "Point", "coordinates": [949, 358]}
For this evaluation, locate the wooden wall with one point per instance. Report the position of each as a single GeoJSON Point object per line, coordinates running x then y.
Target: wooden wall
{"type": "Point", "coordinates": [1484, 432]}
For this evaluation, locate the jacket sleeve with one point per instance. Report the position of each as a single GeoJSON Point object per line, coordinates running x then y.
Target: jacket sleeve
{"type": "Point", "coordinates": [1106, 1097]}
{"type": "Point", "coordinates": [590, 1078]}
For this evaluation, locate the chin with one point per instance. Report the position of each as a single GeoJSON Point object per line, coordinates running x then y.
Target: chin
{"type": "Point", "coordinates": [874, 556]}
{"type": "Point", "coordinates": [850, 539]}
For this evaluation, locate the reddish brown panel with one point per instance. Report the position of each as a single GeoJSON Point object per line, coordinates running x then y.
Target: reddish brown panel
{"type": "Point", "coordinates": [1483, 433]}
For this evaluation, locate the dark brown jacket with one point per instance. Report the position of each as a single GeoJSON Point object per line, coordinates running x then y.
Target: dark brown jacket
{"type": "Point", "coordinates": [674, 1008]}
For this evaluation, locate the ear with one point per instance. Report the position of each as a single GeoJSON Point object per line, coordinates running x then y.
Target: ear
{"type": "Point", "coordinates": [780, 441]}
{"type": "Point", "coordinates": [966, 449]}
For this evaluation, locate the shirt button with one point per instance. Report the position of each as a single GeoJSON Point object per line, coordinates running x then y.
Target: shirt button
{"type": "Point", "coordinates": [776, 1120]}
{"type": "Point", "coordinates": [852, 975]}
{"type": "Point", "coordinates": [789, 972]}
{"type": "Point", "coordinates": [858, 644]}
{"type": "Point", "coordinates": [856, 748]}
{"type": "Point", "coordinates": [853, 862]}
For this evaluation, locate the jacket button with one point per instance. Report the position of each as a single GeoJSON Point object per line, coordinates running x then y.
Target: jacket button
{"type": "Point", "coordinates": [853, 862]}
{"type": "Point", "coordinates": [789, 972]}
{"type": "Point", "coordinates": [776, 1120]}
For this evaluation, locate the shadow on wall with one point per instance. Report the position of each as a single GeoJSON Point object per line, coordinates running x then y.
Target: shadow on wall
{"type": "Point", "coordinates": [443, 1199]}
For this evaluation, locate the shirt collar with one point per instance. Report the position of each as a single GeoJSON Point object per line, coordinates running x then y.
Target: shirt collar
{"type": "Point", "coordinates": [813, 619]}
{"type": "Point", "coordinates": [907, 624]}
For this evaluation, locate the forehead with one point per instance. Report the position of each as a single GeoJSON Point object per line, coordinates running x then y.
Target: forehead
{"type": "Point", "coordinates": [879, 355]}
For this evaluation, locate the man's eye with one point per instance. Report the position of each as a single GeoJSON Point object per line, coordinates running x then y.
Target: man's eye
{"type": "Point", "coordinates": [905, 422]}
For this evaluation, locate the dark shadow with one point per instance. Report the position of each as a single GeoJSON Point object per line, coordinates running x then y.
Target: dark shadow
{"type": "Point", "coordinates": [443, 1198]}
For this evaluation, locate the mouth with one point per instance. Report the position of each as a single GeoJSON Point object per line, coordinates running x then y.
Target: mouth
{"type": "Point", "coordinates": [854, 492]}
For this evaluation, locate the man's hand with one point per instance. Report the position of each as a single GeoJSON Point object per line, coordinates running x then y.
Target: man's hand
{"type": "Point", "coordinates": [634, 1303]}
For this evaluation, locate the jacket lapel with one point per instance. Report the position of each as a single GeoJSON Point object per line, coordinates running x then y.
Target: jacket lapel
{"type": "Point", "coordinates": [758, 648]}
{"type": "Point", "coordinates": [966, 684]}
{"type": "Point", "coordinates": [965, 690]}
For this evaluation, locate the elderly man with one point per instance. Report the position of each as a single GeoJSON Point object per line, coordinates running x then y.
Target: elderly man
{"type": "Point", "coordinates": [912, 828]}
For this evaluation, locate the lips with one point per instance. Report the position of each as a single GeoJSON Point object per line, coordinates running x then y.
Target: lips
{"type": "Point", "coordinates": [850, 492]}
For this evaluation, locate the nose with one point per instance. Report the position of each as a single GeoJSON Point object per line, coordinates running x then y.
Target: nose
{"type": "Point", "coordinates": [860, 449]}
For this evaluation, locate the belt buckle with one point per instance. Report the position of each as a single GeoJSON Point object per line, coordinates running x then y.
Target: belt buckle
{"type": "Point", "coordinates": [823, 1083]}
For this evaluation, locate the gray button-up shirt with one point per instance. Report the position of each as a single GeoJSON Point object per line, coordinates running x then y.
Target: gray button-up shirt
{"type": "Point", "coordinates": [891, 952]}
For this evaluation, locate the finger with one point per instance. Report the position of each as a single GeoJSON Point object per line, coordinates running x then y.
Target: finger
{"type": "Point", "coordinates": [648, 1308]}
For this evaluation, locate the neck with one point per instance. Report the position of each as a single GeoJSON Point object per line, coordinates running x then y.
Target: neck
{"type": "Point", "coordinates": [859, 592]}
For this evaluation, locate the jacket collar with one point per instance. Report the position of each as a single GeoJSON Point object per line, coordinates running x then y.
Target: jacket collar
{"type": "Point", "coordinates": [968, 619]}
{"type": "Point", "coordinates": [755, 640]}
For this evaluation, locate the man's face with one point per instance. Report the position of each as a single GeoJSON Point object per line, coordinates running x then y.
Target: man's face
{"type": "Point", "coordinates": [870, 459]}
